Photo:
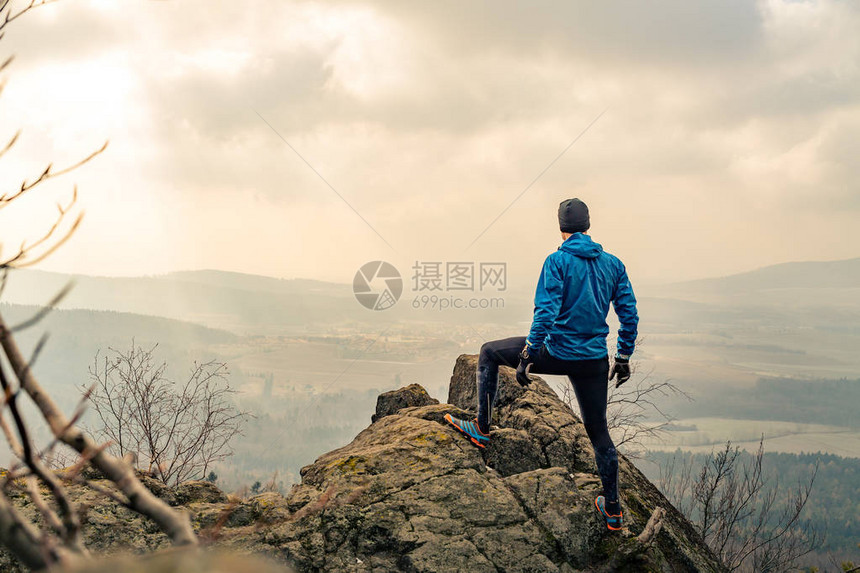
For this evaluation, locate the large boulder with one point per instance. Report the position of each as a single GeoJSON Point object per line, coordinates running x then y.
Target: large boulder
{"type": "Point", "coordinates": [410, 493]}
{"type": "Point", "coordinates": [198, 491]}
{"type": "Point", "coordinates": [409, 396]}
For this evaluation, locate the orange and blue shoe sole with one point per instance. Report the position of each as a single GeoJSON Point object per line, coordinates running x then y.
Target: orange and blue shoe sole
{"type": "Point", "coordinates": [469, 428]}
{"type": "Point", "coordinates": [613, 522]}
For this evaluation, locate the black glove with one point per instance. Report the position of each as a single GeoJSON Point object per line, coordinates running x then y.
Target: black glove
{"type": "Point", "coordinates": [621, 369]}
{"type": "Point", "coordinates": [527, 358]}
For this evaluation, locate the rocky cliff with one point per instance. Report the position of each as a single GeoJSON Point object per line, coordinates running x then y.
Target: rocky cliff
{"type": "Point", "coordinates": [410, 494]}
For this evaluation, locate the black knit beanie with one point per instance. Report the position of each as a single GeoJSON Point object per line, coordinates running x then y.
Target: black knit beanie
{"type": "Point", "coordinates": [573, 216]}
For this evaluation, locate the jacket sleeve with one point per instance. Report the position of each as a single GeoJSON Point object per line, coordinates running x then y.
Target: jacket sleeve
{"type": "Point", "coordinates": [624, 302]}
{"type": "Point", "coordinates": [548, 297]}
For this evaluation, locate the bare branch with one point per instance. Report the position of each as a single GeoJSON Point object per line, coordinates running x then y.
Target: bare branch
{"type": "Point", "coordinates": [733, 506]}
{"type": "Point", "coordinates": [176, 525]}
{"type": "Point", "coordinates": [48, 173]}
{"type": "Point", "coordinates": [60, 541]}
{"type": "Point", "coordinates": [42, 313]}
{"type": "Point", "coordinates": [15, 137]}
{"type": "Point", "coordinates": [627, 556]}
{"type": "Point", "coordinates": [176, 431]}
{"type": "Point", "coordinates": [631, 409]}
{"type": "Point", "coordinates": [653, 527]}
{"type": "Point", "coordinates": [23, 539]}
{"type": "Point", "coordinates": [9, 16]}
{"type": "Point", "coordinates": [8, 61]}
{"type": "Point", "coordinates": [69, 529]}
{"type": "Point", "coordinates": [23, 257]}
{"type": "Point", "coordinates": [4, 275]}
{"type": "Point", "coordinates": [113, 496]}
{"type": "Point", "coordinates": [48, 514]}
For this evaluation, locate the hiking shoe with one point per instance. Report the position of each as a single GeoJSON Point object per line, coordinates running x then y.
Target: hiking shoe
{"type": "Point", "coordinates": [613, 522]}
{"type": "Point", "coordinates": [470, 429]}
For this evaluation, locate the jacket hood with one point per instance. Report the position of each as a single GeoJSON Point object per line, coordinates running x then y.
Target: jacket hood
{"type": "Point", "coordinates": [581, 245]}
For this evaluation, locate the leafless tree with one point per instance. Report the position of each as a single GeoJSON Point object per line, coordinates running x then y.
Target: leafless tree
{"type": "Point", "coordinates": [176, 431]}
{"type": "Point", "coordinates": [57, 540]}
{"type": "Point", "coordinates": [632, 408]}
{"type": "Point", "coordinates": [733, 505]}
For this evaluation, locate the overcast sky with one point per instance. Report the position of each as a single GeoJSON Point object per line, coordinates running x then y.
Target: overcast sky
{"type": "Point", "coordinates": [729, 138]}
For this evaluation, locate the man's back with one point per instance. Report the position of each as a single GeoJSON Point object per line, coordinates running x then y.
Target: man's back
{"type": "Point", "coordinates": [577, 284]}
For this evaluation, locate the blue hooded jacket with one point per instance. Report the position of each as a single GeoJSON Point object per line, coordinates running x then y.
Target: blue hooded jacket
{"type": "Point", "coordinates": [576, 285]}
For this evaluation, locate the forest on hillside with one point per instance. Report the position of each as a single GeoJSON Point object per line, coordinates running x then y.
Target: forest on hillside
{"type": "Point", "coordinates": [812, 401]}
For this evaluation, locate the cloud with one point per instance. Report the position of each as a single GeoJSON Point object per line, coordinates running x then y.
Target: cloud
{"type": "Point", "coordinates": [627, 32]}
{"type": "Point", "coordinates": [430, 117]}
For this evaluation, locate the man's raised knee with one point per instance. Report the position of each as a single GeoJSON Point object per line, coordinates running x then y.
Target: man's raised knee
{"type": "Point", "coordinates": [487, 353]}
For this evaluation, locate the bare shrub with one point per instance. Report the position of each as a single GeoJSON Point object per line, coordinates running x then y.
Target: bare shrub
{"type": "Point", "coordinates": [733, 506]}
{"type": "Point", "coordinates": [175, 431]}
{"type": "Point", "coordinates": [633, 414]}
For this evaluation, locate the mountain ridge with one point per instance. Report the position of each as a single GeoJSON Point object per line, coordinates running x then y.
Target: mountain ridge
{"type": "Point", "coordinates": [837, 273]}
{"type": "Point", "coordinates": [841, 273]}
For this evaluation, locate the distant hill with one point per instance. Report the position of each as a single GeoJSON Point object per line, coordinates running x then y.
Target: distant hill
{"type": "Point", "coordinates": [75, 336]}
{"type": "Point", "coordinates": [809, 274]}
{"type": "Point", "coordinates": [108, 327]}
{"type": "Point", "coordinates": [233, 301]}
{"type": "Point", "coordinates": [241, 303]}
{"type": "Point", "coordinates": [830, 290]}
{"type": "Point", "coordinates": [245, 281]}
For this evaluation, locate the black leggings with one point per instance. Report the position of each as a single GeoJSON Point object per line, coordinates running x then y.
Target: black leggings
{"type": "Point", "coordinates": [590, 380]}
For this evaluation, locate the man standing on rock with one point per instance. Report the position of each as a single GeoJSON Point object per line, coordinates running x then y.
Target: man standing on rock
{"type": "Point", "coordinates": [568, 337]}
